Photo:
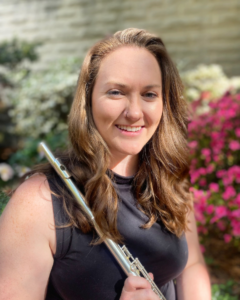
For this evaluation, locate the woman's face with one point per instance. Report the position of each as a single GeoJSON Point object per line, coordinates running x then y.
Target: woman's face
{"type": "Point", "coordinates": [127, 100]}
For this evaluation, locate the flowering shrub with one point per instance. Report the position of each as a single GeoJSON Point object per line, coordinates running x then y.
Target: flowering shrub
{"type": "Point", "coordinates": [208, 79]}
{"type": "Point", "coordinates": [41, 101]}
{"type": "Point", "coordinates": [215, 168]}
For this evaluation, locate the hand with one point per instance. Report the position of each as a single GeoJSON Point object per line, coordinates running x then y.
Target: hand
{"type": "Point", "coordinates": [138, 288]}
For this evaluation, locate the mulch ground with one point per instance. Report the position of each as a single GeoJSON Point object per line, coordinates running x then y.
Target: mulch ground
{"type": "Point", "coordinates": [223, 262]}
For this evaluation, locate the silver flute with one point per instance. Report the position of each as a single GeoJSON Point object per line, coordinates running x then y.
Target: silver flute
{"type": "Point", "coordinates": [129, 264]}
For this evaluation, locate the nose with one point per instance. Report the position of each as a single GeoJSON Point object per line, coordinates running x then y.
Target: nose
{"type": "Point", "coordinates": [134, 111]}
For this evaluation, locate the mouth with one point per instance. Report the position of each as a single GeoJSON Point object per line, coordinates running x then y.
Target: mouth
{"type": "Point", "coordinates": [129, 128]}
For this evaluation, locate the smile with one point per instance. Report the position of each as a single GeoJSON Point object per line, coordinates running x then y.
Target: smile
{"type": "Point", "coordinates": [128, 128]}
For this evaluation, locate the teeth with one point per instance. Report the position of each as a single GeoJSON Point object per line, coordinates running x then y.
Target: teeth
{"type": "Point", "coordinates": [128, 128]}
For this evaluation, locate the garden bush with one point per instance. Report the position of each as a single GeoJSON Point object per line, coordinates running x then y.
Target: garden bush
{"type": "Point", "coordinates": [210, 81]}
{"type": "Point", "coordinates": [14, 52]}
{"type": "Point", "coordinates": [39, 106]}
{"type": "Point", "coordinates": [224, 291]}
{"type": "Point", "coordinates": [215, 168]}
{"type": "Point", "coordinates": [215, 176]}
{"type": "Point", "coordinates": [15, 55]}
{"type": "Point", "coordinates": [41, 101]}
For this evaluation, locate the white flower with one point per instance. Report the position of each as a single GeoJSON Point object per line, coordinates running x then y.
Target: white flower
{"type": "Point", "coordinates": [6, 172]}
{"type": "Point", "coordinates": [21, 170]}
{"type": "Point", "coordinates": [235, 83]}
{"type": "Point", "coordinates": [208, 79]}
{"type": "Point", "coordinates": [192, 93]}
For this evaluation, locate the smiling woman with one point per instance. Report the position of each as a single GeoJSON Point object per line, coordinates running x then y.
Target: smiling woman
{"type": "Point", "coordinates": [129, 157]}
{"type": "Point", "coordinates": [127, 104]}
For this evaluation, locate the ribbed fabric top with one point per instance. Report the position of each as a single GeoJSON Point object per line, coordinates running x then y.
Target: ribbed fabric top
{"type": "Point", "coordinates": [122, 180]}
{"type": "Point", "coordinates": [85, 272]}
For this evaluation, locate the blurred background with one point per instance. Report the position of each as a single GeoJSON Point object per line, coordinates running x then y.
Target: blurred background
{"type": "Point", "coordinates": [42, 45]}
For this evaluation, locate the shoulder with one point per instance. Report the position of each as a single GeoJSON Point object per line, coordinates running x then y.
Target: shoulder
{"type": "Point", "coordinates": [31, 206]}
{"type": "Point", "coordinates": [27, 235]}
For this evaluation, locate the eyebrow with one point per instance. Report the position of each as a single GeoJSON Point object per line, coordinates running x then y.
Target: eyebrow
{"type": "Point", "coordinates": [126, 86]}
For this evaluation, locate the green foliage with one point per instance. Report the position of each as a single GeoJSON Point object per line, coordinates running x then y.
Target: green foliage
{"type": "Point", "coordinates": [3, 201]}
{"type": "Point", "coordinates": [224, 291]}
{"type": "Point", "coordinates": [14, 52]}
{"type": "Point", "coordinates": [28, 154]}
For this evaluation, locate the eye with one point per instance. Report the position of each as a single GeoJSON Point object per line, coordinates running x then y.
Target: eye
{"type": "Point", "coordinates": [150, 95]}
{"type": "Point", "coordinates": [114, 93]}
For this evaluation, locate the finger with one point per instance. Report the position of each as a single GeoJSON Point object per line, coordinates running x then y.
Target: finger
{"type": "Point", "coordinates": [151, 275]}
{"type": "Point", "coordinates": [140, 294]}
{"type": "Point", "coordinates": [132, 283]}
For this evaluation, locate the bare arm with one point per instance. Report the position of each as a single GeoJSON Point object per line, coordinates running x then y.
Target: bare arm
{"type": "Point", "coordinates": [27, 241]}
{"type": "Point", "coordinates": [194, 282]}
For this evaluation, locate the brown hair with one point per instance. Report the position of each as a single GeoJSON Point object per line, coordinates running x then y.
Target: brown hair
{"type": "Point", "coordinates": [161, 183]}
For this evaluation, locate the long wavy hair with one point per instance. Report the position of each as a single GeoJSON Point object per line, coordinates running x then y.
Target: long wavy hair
{"type": "Point", "coordinates": [161, 183]}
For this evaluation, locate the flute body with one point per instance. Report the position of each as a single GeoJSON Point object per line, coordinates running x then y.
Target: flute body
{"type": "Point", "coordinates": [121, 254]}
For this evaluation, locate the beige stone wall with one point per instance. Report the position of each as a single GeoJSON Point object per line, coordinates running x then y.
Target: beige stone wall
{"type": "Point", "coordinates": [195, 31]}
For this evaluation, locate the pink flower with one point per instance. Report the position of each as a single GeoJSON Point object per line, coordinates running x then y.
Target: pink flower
{"type": "Point", "coordinates": [221, 211]}
{"type": "Point", "coordinates": [235, 223]}
{"type": "Point", "coordinates": [234, 170]}
{"type": "Point", "coordinates": [213, 104]}
{"type": "Point", "coordinates": [237, 200]}
{"type": "Point", "coordinates": [230, 113]}
{"type": "Point", "coordinates": [238, 178]}
{"type": "Point", "coordinates": [234, 145]}
{"type": "Point", "coordinates": [221, 173]}
{"type": "Point", "coordinates": [194, 162]}
{"type": "Point", "coordinates": [229, 193]}
{"type": "Point", "coordinates": [227, 180]}
{"type": "Point", "coordinates": [236, 227]}
{"type": "Point", "coordinates": [216, 158]}
{"type": "Point", "coordinates": [198, 194]}
{"type": "Point", "coordinates": [227, 238]}
{"type": "Point", "coordinates": [214, 187]}
{"type": "Point", "coordinates": [199, 216]}
{"type": "Point", "coordinates": [237, 132]}
{"type": "Point", "coordinates": [206, 152]}
{"type": "Point", "coordinates": [194, 174]}
{"type": "Point", "coordinates": [221, 225]}
{"type": "Point", "coordinates": [193, 144]}
{"type": "Point", "coordinates": [216, 135]}
{"type": "Point", "coordinates": [214, 219]}
{"type": "Point", "coordinates": [236, 231]}
{"type": "Point", "coordinates": [210, 169]}
{"type": "Point", "coordinates": [210, 209]}
{"type": "Point", "coordinates": [205, 95]}
{"type": "Point", "coordinates": [236, 213]}
{"type": "Point", "coordinates": [202, 182]}
{"type": "Point", "coordinates": [202, 171]}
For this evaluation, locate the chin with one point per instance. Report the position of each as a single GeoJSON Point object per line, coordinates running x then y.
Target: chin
{"type": "Point", "coordinates": [131, 151]}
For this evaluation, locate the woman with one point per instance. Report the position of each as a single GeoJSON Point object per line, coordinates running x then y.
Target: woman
{"type": "Point", "coordinates": [129, 156]}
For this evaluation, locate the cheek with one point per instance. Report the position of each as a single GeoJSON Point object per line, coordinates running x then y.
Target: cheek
{"type": "Point", "coordinates": [153, 114]}
{"type": "Point", "coordinates": [105, 113]}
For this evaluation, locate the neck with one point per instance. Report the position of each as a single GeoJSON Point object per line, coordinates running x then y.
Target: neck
{"type": "Point", "coordinates": [125, 166]}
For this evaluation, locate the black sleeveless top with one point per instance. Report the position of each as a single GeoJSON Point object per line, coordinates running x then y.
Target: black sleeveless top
{"type": "Point", "coordinates": [85, 272]}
